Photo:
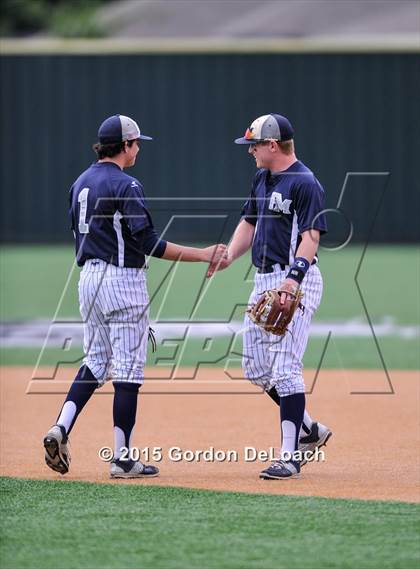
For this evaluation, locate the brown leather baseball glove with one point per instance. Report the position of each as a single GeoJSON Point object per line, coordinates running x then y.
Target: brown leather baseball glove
{"type": "Point", "coordinates": [270, 314]}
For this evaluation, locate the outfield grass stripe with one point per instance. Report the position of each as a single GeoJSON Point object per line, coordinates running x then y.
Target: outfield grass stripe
{"type": "Point", "coordinates": [33, 279]}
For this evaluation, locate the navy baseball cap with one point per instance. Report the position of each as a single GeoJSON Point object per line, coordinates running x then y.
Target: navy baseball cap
{"type": "Point", "coordinates": [267, 127]}
{"type": "Point", "coordinates": [119, 128]}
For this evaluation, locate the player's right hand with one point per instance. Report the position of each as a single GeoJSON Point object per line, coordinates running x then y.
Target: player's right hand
{"type": "Point", "coordinates": [223, 263]}
{"type": "Point", "coordinates": [214, 253]}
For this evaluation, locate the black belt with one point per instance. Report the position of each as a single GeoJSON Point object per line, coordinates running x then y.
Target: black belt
{"type": "Point", "coordinates": [270, 268]}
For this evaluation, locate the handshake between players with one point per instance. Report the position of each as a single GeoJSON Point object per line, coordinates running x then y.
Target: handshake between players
{"type": "Point", "coordinates": [114, 234]}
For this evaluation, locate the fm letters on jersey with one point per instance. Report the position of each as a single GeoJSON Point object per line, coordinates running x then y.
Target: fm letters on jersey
{"type": "Point", "coordinates": [278, 204]}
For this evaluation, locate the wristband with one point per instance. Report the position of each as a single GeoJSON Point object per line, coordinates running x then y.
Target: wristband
{"type": "Point", "coordinates": [298, 270]}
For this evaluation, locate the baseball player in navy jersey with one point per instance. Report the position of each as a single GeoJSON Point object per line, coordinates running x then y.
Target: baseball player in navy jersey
{"type": "Point", "coordinates": [282, 221]}
{"type": "Point", "coordinates": [114, 233]}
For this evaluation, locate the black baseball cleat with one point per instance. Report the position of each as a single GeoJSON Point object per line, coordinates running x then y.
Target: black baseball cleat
{"type": "Point", "coordinates": [132, 469]}
{"type": "Point", "coordinates": [317, 438]}
{"type": "Point", "coordinates": [57, 455]}
{"type": "Point", "coordinates": [281, 470]}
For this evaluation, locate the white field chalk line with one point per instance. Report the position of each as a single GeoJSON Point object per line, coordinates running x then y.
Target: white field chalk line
{"type": "Point", "coordinates": [33, 333]}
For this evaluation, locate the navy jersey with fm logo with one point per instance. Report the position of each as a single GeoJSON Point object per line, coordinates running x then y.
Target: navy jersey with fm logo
{"type": "Point", "coordinates": [110, 219]}
{"type": "Point", "coordinates": [282, 206]}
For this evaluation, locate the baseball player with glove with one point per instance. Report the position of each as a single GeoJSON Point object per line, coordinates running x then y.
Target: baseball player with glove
{"type": "Point", "coordinates": [114, 233]}
{"type": "Point", "coordinates": [282, 221]}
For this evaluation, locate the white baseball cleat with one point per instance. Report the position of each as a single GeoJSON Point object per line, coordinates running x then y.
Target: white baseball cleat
{"type": "Point", "coordinates": [281, 470]}
{"type": "Point", "coordinates": [132, 469]}
{"type": "Point", "coordinates": [317, 438]}
{"type": "Point", "coordinates": [57, 455]}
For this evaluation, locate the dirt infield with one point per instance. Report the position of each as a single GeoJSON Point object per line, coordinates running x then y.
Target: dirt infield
{"type": "Point", "coordinates": [372, 455]}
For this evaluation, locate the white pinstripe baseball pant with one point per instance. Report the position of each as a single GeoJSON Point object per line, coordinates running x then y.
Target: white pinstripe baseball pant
{"type": "Point", "coordinates": [268, 360]}
{"type": "Point", "coordinates": [114, 304]}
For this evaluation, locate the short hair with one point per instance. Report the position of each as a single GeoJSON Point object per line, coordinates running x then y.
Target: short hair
{"type": "Point", "coordinates": [287, 146]}
{"type": "Point", "coordinates": [110, 150]}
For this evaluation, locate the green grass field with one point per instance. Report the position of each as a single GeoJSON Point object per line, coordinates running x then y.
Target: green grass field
{"type": "Point", "coordinates": [33, 283]}
{"type": "Point", "coordinates": [71, 525]}
{"type": "Point", "coordinates": [33, 279]}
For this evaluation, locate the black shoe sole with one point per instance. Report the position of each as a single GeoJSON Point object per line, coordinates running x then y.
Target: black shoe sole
{"type": "Point", "coordinates": [127, 476]}
{"type": "Point", "coordinates": [121, 477]}
{"type": "Point", "coordinates": [270, 477]}
{"type": "Point", "coordinates": [52, 450]}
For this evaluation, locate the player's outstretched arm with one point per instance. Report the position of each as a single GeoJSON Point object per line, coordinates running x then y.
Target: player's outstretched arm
{"type": "Point", "coordinates": [212, 254]}
{"type": "Point", "coordinates": [240, 243]}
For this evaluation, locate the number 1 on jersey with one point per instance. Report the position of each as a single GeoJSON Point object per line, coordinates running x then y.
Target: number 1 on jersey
{"type": "Point", "coordinates": [82, 199]}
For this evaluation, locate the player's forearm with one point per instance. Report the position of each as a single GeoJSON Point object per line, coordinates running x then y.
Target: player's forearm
{"type": "Point", "coordinates": [175, 252]}
{"type": "Point", "coordinates": [309, 245]}
{"type": "Point", "coordinates": [241, 240]}
{"type": "Point", "coordinates": [304, 257]}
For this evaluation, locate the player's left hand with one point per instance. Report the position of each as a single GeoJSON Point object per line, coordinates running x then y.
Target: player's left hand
{"type": "Point", "coordinates": [276, 307]}
{"type": "Point", "coordinates": [288, 285]}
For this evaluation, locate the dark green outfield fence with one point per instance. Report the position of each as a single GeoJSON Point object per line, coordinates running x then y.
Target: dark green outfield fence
{"type": "Point", "coordinates": [351, 112]}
